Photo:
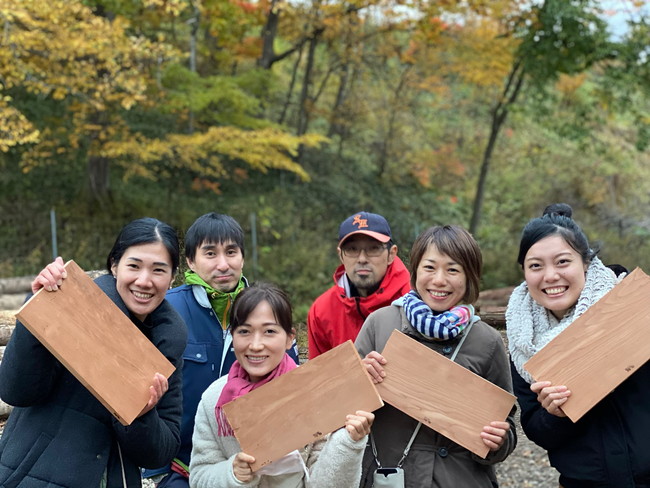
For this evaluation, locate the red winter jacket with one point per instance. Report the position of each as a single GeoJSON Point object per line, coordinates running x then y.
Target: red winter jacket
{"type": "Point", "coordinates": [334, 318]}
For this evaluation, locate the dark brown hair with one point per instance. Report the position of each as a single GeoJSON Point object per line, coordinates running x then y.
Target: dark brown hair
{"type": "Point", "coordinates": [251, 297]}
{"type": "Point", "coordinates": [459, 245]}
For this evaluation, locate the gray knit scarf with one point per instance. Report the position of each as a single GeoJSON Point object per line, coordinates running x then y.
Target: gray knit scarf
{"type": "Point", "coordinates": [528, 325]}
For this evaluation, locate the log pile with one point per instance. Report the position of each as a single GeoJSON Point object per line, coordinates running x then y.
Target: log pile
{"type": "Point", "coordinates": [491, 306]}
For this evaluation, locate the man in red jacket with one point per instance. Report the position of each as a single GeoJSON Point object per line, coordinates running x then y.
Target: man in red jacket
{"type": "Point", "coordinates": [370, 277]}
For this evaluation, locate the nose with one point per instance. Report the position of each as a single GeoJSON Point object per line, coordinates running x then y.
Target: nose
{"type": "Point", "coordinates": [256, 343]}
{"type": "Point", "coordinates": [144, 279]}
{"type": "Point", "coordinates": [551, 274]}
{"type": "Point", "coordinates": [363, 256]}
{"type": "Point", "coordinates": [222, 263]}
{"type": "Point", "coordinates": [438, 277]}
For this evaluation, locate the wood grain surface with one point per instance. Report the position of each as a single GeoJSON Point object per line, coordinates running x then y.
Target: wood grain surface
{"type": "Point", "coordinates": [441, 394]}
{"type": "Point", "coordinates": [601, 348]}
{"type": "Point", "coordinates": [96, 342]}
{"type": "Point", "coordinates": [303, 405]}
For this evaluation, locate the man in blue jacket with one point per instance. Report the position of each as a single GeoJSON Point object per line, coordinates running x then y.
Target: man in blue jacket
{"type": "Point", "coordinates": [214, 251]}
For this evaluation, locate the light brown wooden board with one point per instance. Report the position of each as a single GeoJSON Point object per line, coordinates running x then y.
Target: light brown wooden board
{"type": "Point", "coordinates": [303, 405]}
{"type": "Point", "coordinates": [441, 394]}
{"type": "Point", "coordinates": [96, 342]}
{"type": "Point", "coordinates": [601, 348]}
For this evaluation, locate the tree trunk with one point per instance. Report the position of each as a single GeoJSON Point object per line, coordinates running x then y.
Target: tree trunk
{"type": "Point", "coordinates": [98, 167]}
{"type": "Point", "coordinates": [385, 145]}
{"type": "Point", "coordinates": [305, 100]}
{"type": "Point", "coordinates": [269, 32]}
{"type": "Point", "coordinates": [337, 128]}
{"type": "Point", "coordinates": [292, 84]}
{"type": "Point", "coordinates": [499, 115]}
{"type": "Point", "coordinates": [98, 178]}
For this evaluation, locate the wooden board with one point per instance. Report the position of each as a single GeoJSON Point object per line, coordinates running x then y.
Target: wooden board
{"type": "Point", "coordinates": [98, 344]}
{"type": "Point", "coordinates": [441, 394]}
{"type": "Point", "coordinates": [303, 405]}
{"type": "Point", "coordinates": [601, 348]}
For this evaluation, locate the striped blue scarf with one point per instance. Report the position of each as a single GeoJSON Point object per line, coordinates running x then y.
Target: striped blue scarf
{"type": "Point", "coordinates": [441, 327]}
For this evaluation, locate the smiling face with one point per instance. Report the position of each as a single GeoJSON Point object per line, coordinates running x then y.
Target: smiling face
{"type": "Point", "coordinates": [143, 276]}
{"type": "Point", "coordinates": [555, 274]}
{"type": "Point", "coordinates": [440, 281]}
{"type": "Point", "coordinates": [220, 265]}
{"type": "Point", "coordinates": [260, 342]}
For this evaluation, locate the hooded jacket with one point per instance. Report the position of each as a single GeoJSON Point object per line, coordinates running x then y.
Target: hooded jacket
{"type": "Point", "coordinates": [335, 318]}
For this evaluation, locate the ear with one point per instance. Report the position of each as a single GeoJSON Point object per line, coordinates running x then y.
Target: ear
{"type": "Point", "coordinates": [392, 252]}
{"type": "Point", "coordinates": [190, 263]}
{"type": "Point", "coordinates": [114, 269]}
{"type": "Point", "coordinates": [340, 253]}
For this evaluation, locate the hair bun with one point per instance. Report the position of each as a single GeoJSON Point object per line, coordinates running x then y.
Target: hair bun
{"type": "Point", "coordinates": [562, 209]}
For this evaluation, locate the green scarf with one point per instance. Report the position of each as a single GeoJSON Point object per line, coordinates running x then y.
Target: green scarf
{"type": "Point", "coordinates": [219, 300]}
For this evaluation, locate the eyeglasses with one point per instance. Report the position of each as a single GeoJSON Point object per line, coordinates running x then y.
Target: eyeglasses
{"type": "Point", "coordinates": [371, 251]}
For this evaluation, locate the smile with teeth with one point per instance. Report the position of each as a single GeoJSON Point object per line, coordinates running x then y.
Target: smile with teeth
{"type": "Point", "coordinates": [256, 359]}
{"type": "Point", "coordinates": [143, 296]}
{"type": "Point", "coordinates": [439, 294]}
{"type": "Point", "coordinates": [556, 290]}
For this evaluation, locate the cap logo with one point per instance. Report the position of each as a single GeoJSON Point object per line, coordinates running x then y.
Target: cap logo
{"type": "Point", "coordinates": [359, 221]}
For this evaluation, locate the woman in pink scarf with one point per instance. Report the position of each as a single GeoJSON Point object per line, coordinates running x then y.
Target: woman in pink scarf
{"type": "Point", "coordinates": [261, 326]}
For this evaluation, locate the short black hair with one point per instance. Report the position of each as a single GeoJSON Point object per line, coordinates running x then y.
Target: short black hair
{"type": "Point", "coordinates": [213, 228]}
{"type": "Point", "coordinates": [251, 297]}
{"type": "Point", "coordinates": [144, 231]}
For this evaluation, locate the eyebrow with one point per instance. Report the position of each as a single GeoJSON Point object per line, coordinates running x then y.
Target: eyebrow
{"type": "Point", "coordinates": [156, 263]}
{"type": "Point", "coordinates": [213, 245]}
{"type": "Point", "coordinates": [560, 254]}
{"type": "Point", "coordinates": [452, 262]}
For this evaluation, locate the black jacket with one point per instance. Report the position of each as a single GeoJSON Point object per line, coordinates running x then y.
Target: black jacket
{"type": "Point", "coordinates": [59, 435]}
{"type": "Point", "coordinates": [608, 447]}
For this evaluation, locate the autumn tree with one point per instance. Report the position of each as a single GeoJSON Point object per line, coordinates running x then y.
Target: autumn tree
{"type": "Point", "coordinates": [557, 37]}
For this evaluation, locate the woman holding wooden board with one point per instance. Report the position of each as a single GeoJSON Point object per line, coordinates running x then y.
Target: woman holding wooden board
{"type": "Point", "coordinates": [445, 265]}
{"type": "Point", "coordinates": [609, 446]}
{"type": "Point", "coordinates": [59, 434]}
{"type": "Point", "coordinates": [262, 331]}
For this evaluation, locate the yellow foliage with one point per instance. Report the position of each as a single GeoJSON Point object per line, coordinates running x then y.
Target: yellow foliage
{"type": "Point", "coordinates": [15, 129]}
{"type": "Point", "coordinates": [170, 7]}
{"type": "Point", "coordinates": [205, 153]}
{"type": "Point", "coordinates": [59, 48]}
{"type": "Point", "coordinates": [483, 56]}
{"type": "Point", "coordinates": [568, 85]}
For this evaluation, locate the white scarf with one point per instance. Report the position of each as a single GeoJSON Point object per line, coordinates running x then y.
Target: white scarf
{"type": "Point", "coordinates": [528, 325]}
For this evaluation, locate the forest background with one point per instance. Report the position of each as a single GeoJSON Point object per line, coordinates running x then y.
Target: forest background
{"type": "Point", "coordinates": [292, 115]}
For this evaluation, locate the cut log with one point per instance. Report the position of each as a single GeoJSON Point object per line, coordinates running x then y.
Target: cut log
{"type": "Point", "coordinates": [20, 284]}
{"type": "Point", "coordinates": [497, 297]}
{"type": "Point", "coordinates": [5, 410]}
{"type": "Point", "coordinates": [494, 316]}
{"type": "Point", "coordinates": [12, 301]}
{"type": "Point", "coordinates": [5, 333]}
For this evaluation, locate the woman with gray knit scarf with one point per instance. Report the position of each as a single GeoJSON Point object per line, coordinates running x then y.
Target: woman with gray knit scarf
{"type": "Point", "coordinates": [609, 446]}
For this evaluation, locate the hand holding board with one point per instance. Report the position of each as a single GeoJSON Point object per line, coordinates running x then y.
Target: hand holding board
{"type": "Point", "coordinates": [440, 393]}
{"type": "Point", "coordinates": [96, 342]}
{"type": "Point", "coordinates": [302, 406]}
{"type": "Point", "coordinates": [601, 348]}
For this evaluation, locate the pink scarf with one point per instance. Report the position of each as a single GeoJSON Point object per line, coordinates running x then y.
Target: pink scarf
{"type": "Point", "coordinates": [239, 384]}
